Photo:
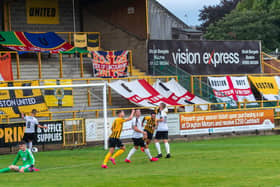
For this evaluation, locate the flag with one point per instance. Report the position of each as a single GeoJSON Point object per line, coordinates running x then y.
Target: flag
{"type": "Point", "coordinates": [223, 90]}
{"type": "Point", "coordinates": [80, 40]}
{"type": "Point", "coordinates": [13, 102]}
{"type": "Point", "coordinates": [111, 64]}
{"type": "Point", "coordinates": [242, 89]}
{"type": "Point", "coordinates": [93, 42]}
{"type": "Point", "coordinates": [267, 86]}
{"type": "Point", "coordinates": [6, 73]}
{"type": "Point", "coordinates": [59, 96]}
{"type": "Point", "coordinates": [40, 42]}
{"type": "Point", "coordinates": [174, 91]}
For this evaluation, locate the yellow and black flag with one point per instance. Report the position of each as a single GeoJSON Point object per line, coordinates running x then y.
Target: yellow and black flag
{"type": "Point", "coordinates": [80, 40]}
{"type": "Point", "coordinates": [93, 42]}
{"type": "Point", "coordinates": [13, 102]}
{"type": "Point", "coordinates": [88, 41]}
{"type": "Point", "coordinates": [58, 96]}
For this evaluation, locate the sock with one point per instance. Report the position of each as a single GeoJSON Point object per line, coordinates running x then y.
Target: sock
{"type": "Point", "coordinates": [167, 147]}
{"type": "Point", "coordinates": [4, 170]}
{"type": "Point", "coordinates": [118, 153]}
{"type": "Point", "coordinates": [30, 145]}
{"type": "Point", "coordinates": [147, 151]}
{"type": "Point", "coordinates": [107, 157]}
{"type": "Point", "coordinates": [158, 147]}
{"type": "Point", "coordinates": [27, 170]}
{"type": "Point", "coordinates": [131, 152]}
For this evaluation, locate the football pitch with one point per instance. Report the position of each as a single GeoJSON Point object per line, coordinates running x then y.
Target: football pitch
{"type": "Point", "coordinates": [238, 161]}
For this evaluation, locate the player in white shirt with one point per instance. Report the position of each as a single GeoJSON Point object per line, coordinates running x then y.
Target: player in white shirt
{"type": "Point", "coordinates": [138, 138]}
{"type": "Point", "coordinates": [29, 132]}
{"type": "Point", "coordinates": [162, 131]}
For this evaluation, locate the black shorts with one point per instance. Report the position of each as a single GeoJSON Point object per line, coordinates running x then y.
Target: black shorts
{"type": "Point", "coordinates": [138, 142]}
{"type": "Point", "coordinates": [162, 135]}
{"type": "Point", "coordinates": [29, 137]}
{"type": "Point", "coordinates": [115, 142]}
{"type": "Point", "coordinates": [149, 135]}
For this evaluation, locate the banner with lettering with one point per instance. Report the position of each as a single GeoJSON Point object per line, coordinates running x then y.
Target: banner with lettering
{"type": "Point", "coordinates": [236, 88]}
{"type": "Point", "coordinates": [233, 121]}
{"type": "Point", "coordinates": [267, 86]}
{"type": "Point", "coordinates": [42, 12]}
{"type": "Point", "coordinates": [6, 72]}
{"type": "Point", "coordinates": [13, 102]}
{"type": "Point", "coordinates": [110, 64]}
{"type": "Point", "coordinates": [242, 89]}
{"type": "Point", "coordinates": [203, 57]}
{"type": "Point", "coordinates": [55, 97]}
{"type": "Point", "coordinates": [12, 133]}
{"type": "Point", "coordinates": [223, 90]}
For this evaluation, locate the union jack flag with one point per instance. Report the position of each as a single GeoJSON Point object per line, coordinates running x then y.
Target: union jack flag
{"type": "Point", "coordinates": [111, 64]}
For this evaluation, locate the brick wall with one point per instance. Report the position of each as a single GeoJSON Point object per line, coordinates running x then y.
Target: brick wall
{"type": "Point", "coordinates": [19, 18]}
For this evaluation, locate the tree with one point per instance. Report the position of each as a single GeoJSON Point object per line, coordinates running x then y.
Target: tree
{"type": "Point", "coordinates": [212, 14]}
{"type": "Point", "coordinates": [251, 20]}
{"type": "Point", "coordinates": [267, 5]}
{"type": "Point", "coordinates": [248, 25]}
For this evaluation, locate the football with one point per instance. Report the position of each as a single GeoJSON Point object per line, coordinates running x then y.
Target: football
{"type": "Point", "coordinates": [34, 149]}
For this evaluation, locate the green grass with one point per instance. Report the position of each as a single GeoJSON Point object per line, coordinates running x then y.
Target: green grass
{"type": "Point", "coordinates": [239, 161]}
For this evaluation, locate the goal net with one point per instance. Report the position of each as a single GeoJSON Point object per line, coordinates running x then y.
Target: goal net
{"type": "Point", "coordinates": [23, 96]}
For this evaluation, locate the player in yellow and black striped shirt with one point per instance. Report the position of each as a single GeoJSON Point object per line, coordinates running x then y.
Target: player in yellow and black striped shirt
{"type": "Point", "coordinates": [114, 139]}
{"type": "Point", "coordinates": [150, 126]}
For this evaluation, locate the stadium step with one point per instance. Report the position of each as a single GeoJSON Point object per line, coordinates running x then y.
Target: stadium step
{"type": "Point", "coordinates": [71, 70]}
{"type": "Point", "coordinates": [137, 72]}
{"type": "Point", "coordinates": [51, 69]}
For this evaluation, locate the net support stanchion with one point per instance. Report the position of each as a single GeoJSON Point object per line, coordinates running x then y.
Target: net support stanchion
{"type": "Point", "coordinates": [105, 116]}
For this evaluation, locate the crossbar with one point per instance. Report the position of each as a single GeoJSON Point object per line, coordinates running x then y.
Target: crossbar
{"type": "Point", "coordinates": [54, 86]}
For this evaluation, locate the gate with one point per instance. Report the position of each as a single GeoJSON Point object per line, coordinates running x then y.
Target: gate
{"type": "Point", "coordinates": [74, 132]}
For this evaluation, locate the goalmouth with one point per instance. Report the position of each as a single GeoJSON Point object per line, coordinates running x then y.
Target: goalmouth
{"type": "Point", "coordinates": [104, 90]}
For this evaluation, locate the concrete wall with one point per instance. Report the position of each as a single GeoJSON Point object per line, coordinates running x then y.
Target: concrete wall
{"type": "Point", "coordinates": [161, 22]}
{"type": "Point", "coordinates": [1, 16]}
{"type": "Point", "coordinates": [19, 18]}
{"type": "Point", "coordinates": [116, 12]}
{"type": "Point", "coordinates": [115, 38]}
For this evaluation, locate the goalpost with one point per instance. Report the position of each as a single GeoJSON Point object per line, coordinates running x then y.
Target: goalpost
{"type": "Point", "coordinates": [104, 96]}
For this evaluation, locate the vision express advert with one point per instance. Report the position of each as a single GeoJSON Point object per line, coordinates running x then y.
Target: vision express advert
{"type": "Point", "coordinates": [206, 57]}
{"type": "Point", "coordinates": [12, 134]}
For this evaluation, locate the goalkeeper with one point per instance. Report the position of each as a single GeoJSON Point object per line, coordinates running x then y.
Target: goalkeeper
{"type": "Point", "coordinates": [27, 158]}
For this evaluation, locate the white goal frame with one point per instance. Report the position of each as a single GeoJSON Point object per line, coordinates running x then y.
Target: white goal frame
{"type": "Point", "coordinates": [104, 85]}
